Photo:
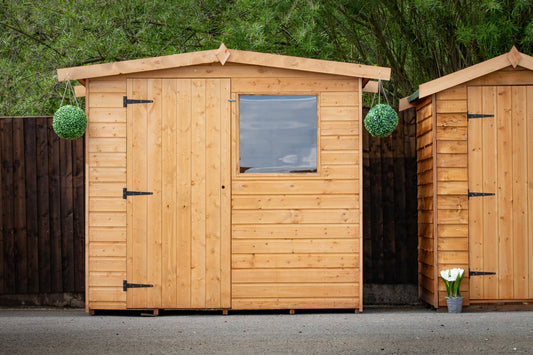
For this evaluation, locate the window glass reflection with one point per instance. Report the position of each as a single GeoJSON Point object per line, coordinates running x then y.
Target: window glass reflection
{"type": "Point", "coordinates": [278, 134]}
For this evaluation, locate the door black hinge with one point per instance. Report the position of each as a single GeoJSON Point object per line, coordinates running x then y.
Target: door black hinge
{"type": "Point", "coordinates": [126, 285]}
{"type": "Point", "coordinates": [481, 273]}
{"type": "Point", "coordinates": [477, 115]}
{"type": "Point", "coordinates": [479, 194]}
{"type": "Point", "coordinates": [126, 193]}
{"type": "Point", "coordinates": [127, 101]}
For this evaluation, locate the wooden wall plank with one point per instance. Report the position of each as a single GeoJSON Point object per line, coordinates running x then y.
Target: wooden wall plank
{"type": "Point", "coordinates": [198, 172]}
{"type": "Point", "coordinates": [42, 205]}
{"type": "Point", "coordinates": [213, 193]}
{"type": "Point", "coordinates": [268, 246]}
{"type": "Point", "coordinates": [107, 130]}
{"type": "Point", "coordinates": [169, 227]}
{"type": "Point", "coordinates": [107, 204]}
{"type": "Point", "coordinates": [343, 157]}
{"type": "Point", "coordinates": [529, 124]}
{"type": "Point", "coordinates": [305, 231]}
{"type": "Point", "coordinates": [107, 145]}
{"type": "Point", "coordinates": [137, 209]}
{"type": "Point", "coordinates": [336, 113]}
{"type": "Point", "coordinates": [295, 216]}
{"type": "Point", "coordinates": [450, 106]}
{"type": "Point", "coordinates": [295, 187]}
{"type": "Point", "coordinates": [154, 183]}
{"type": "Point", "coordinates": [505, 195]}
{"type": "Point", "coordinates": [332, 128]}
{"type": "Point", "coordinates": [226, 194]}
{"type": "Point", "coordinates": [54, 177]}
{"type": "Point", "coordinates": [8, 230]}
{"type": "Point", "coordinates": [184, 199]}
{"type": "Point", "coordinates": [79, 203]}
{"type": "Point", "coordinates": [344, 275]}
{"type": "Point", "coordinates": [277, 85]}
{"type": "Point", "coordinates": [490, 209]}
{"type": "Point", "coordinates": [246, 261]}
{"type": "Point", "coordinates": [295, 303]}
{"type": "Point", "coordinates": [19, 208]}
{"type": "Point", "coordinates": [294, 201]}
{"type": "Point", "coordinates": [452, 119]}
{"type": "Point", "coordinates": [106, 159]}
{"type": "Point", "coordinates": [339, 142]}
{"type": "Point", "coordinates": [66, 215]}
{"type": "Point", "coordinates": [295, 290]}
{"type": "Point", "coordinates": [339, 99]}
{"type": "Point", "coordinates": [106, 114]}
{"type": "Point", "coordinates": [521, 238]}
{"type": "Point", "coordinates": [101, 263]}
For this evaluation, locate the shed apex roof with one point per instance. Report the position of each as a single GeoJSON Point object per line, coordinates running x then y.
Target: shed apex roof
{"type": "Point", "coordinates": [513, 58]}
{"type": "Point", "coordinates": [223, 55]}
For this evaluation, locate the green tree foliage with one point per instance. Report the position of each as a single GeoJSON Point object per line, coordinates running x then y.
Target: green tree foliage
{"type": "Point", "coordinates": [419, 39]}
{"type": "Point", "coordinates": [425, 39]}
{"type": "Point", "coordinates": [37, 37]}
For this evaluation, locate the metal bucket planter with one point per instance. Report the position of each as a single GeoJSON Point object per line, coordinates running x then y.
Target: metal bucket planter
{"type": "Point", "coordinates": [455, 304]}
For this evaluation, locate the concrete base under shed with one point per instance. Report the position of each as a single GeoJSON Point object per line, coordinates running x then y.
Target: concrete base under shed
{"type": "Point", "coordinates": [71, 300]}
{"type": "Point", "coordinates": [390, 294]}
{"type": "Point", "coordinates": [374, 294]}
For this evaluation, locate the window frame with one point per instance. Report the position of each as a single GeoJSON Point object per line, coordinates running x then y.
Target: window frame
{"type": "Point", "coordinates": [276, 174]}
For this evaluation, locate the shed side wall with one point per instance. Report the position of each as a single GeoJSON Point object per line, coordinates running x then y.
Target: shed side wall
{"type": "Point", "coordinates": [426, 247]}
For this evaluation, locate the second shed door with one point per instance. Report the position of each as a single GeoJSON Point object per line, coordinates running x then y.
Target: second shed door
{"type": "Point", "coordinates": [500, 173]}
{"type": "Point", "coordinates": [178, 239]}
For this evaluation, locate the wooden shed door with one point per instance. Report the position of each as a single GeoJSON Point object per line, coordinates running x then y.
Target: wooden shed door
{"type": "Point", "coordinates": [500, 169]}
{"type": "Point", "coordinates": [178, 238]}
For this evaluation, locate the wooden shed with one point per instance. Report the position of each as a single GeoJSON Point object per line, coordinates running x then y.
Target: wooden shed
{"type": "Point", "coordinates": [223, 179]}
{"type": "Point", "coordinates": [475, 180]}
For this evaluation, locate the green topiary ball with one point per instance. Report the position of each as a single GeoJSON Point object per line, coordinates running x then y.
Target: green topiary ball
{"type": "Point", "coordinates": [381, 120]}
{"type": "Point", "coordinates": [69, 122]}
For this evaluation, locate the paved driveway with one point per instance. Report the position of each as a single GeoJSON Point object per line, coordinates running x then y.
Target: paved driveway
{"type": "Point", "coordinates": [383, 331]}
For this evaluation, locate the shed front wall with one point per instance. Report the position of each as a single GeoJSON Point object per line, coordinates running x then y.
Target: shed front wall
{"type": "Point", "coordinates": [295, 240]}
{"type": "Point", "coordinates": [451, 160]}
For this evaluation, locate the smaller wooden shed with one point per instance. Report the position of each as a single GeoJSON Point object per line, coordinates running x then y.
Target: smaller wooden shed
{"type": "Point", "coordinates": [224, 179]}
{"type": "Point", "coordinates": [475, 180]}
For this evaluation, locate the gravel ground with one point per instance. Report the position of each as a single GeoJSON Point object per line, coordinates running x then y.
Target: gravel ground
{"type": "Point", "coordinates": [379, 330]}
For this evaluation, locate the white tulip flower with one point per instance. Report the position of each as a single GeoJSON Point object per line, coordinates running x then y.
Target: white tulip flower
{"type": "Point", "coordinates": [452, 279]}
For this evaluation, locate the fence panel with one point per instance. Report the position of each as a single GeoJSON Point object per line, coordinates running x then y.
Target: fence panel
{"type": "Point", "coordinates": [42, 209]}
{"type": "Point", "coordinates": [390, 204]}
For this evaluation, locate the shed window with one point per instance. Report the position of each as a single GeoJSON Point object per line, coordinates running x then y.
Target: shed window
{"type": "Point", "coordinates": [278, 134]}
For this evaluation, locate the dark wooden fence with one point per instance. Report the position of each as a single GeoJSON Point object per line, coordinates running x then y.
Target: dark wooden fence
{"type": "Point", "coordinates": [42, 209]}
{"type": "Point", "coordinates": [390, 205]}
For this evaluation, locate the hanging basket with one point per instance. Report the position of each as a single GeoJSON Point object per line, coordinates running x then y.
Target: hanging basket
{"type": "Point", "coordinates": [381, 120]}
{"type": "Point", "coordinates": [69, 122]}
